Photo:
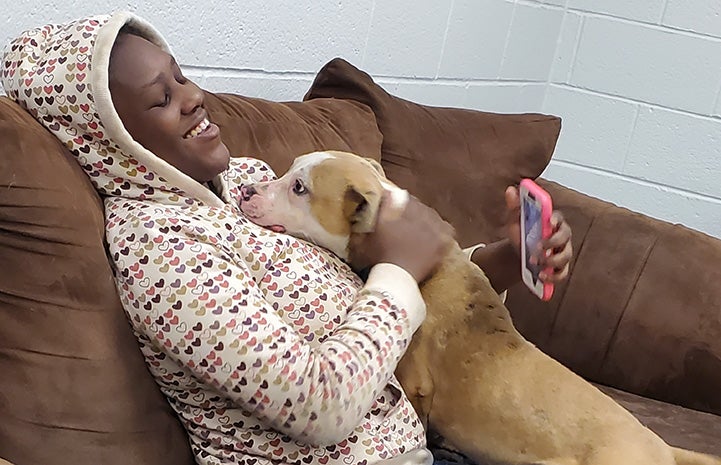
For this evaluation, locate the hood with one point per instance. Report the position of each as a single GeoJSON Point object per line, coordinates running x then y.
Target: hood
{"type": "Point", "coordinates": [59, 73]}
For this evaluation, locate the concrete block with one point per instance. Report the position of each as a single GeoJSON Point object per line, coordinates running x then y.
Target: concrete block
{"type": "Point", "coordinates": [271, 88]}
{"type": "Point", "coordinates": [646, 10]}
{"type": "Point", "coordinates": [406, 40]}
{"type": "Point", "coordinates": [696, 212]}
{"type": "Point", "coordinates": [531, 42]}
{"type": "Point", "coordinates": [648, 64]}
{"type": "Point", "coordinates": [505, 97]}
{"type": "Point", "coordinates": [294, 36]}
{"type": "Point", "coordinates": [449, 94]}
{"type": "Point", "coordinates": [702, 16]}
{"type": "Point", "coordinates": [476, 39]}
{"type": "Point", "coordinates": [677, 149]}
{"type": "Point", "coordinates": [596, 129]}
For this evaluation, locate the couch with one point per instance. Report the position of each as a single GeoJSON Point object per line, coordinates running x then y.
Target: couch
{"type": "Point", "coordinates": [640, 315]}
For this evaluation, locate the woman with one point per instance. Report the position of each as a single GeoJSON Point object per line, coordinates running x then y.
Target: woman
{"type": "Point", "coordinates": [268, 348]}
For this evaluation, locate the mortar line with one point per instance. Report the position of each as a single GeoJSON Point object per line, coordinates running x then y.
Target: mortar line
{"type": "Point", "coordinates": [508, 38]}
{"type": "Point", "coordinates": [555, 54]}
{"type": "Point", "coordinates": [368, 34]}
{"type": "Point", "coordinates": [633, 131]}
{"type": "Point", "coordinates": [576, 47]}
{"type": "Point", "coordinates": [445, 38]}
{"type": "Point", "coordinates": [663, 12]}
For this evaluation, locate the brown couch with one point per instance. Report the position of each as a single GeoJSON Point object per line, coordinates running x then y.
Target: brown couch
{"type": "Point", "coordinates": [640, 315]}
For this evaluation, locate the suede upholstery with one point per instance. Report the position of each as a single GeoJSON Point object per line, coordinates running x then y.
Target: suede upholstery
{"type": "Point", "coordinates": [71, 372]}
{"type": "Point", "coordinates": [640, 312]}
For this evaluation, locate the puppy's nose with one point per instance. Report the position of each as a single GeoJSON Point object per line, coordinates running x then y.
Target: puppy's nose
{"type": "Point", "coordinates": [246, 192]}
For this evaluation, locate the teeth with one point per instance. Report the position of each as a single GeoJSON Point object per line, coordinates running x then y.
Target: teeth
{"type": "Point", "coordinates": [202, 126]}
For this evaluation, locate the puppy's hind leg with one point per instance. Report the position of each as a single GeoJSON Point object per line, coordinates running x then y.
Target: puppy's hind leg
{"type": "Point", "coordinates": [631, 453]}
{"type": "Point", "coordinates": [687, 457]}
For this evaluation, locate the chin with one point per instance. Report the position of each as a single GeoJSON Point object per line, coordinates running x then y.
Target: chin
{"type": "Point", "coordinates": [216, 162]}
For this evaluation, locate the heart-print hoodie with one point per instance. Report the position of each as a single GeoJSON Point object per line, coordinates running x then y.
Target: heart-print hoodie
{"type": "Point", "coordinates": [269, 349]}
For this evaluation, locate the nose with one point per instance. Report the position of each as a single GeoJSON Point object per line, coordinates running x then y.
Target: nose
{"type": "Point", "coordinates": [246, 192]}
{"type": "Point", "coordinates": [193, 98]}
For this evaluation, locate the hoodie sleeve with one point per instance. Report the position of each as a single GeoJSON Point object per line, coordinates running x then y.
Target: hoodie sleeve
{"type": "Point", "coordinates": [200, 305]}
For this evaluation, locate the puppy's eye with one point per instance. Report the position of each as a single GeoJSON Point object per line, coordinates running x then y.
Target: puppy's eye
{"type": "Point", "coordinates": [299, 188]}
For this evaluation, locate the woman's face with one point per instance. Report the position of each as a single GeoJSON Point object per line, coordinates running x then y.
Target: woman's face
{"type": "Point", "coordinates": [163, 110]}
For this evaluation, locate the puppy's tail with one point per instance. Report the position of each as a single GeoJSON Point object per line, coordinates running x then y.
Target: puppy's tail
{"type": "Point", "coordinates": [687, 457]}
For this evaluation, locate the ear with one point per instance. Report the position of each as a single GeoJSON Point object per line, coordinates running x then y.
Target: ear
{"type": "Point", "coordinates": [361, 209]}
{"type": "Point", "coordinates": [376, 166]}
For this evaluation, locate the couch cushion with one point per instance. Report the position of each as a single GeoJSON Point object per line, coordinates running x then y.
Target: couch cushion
{"type": "Point", "coordinates": [678, 426]}
{"type": "Point", "coordinates": [72, 373]}
{"type": "Point", "coordinates": [640, 311]}
{"type": "Point", "coordinates": [279, 132]}
{"type": "Point", "coordinates": [458, 161]}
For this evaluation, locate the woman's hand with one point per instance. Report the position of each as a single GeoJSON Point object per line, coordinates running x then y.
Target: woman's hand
{"type": "Point", "coordinates": [416, 239]}
{"type": "Point", "coordinates": [559, 244]}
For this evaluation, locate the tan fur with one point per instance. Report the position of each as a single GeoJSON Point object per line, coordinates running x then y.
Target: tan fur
{"type": "Point", "coordinates": [343, 183]}
{"type": "Point", "coordinates": [479, 387]}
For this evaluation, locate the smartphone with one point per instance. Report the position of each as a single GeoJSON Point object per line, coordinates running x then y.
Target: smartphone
{"type": "Point", "coordinates": [536, 208]}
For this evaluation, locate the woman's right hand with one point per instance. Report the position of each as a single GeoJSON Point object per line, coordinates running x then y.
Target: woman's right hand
{"type": "Point", "coordinates": [416, 239]}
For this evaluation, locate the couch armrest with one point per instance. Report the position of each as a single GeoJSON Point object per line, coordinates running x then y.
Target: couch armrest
{"type": "Point", "coordinates": [642, 308]}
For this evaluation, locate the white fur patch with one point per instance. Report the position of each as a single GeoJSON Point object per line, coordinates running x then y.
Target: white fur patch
{"type": "Point", "coordinates": [399, 197]}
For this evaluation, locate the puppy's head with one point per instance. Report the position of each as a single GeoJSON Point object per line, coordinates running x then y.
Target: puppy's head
{"type": "Point", "coordinates": [324, 198]}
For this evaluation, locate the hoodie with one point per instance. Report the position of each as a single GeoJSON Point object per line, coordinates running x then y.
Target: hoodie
{"type": "Point", "coordinates": [269, 349]}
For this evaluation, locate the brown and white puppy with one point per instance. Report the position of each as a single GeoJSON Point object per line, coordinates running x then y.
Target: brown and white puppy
{"type": "Point", "coordinates": [476, 383]}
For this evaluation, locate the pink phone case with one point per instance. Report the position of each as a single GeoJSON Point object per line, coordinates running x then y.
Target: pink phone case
{"type": "Point", "coordinates": [546, 228]}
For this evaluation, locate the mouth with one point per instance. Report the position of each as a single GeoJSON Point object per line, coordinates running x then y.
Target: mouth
{"type": "Point", "coordinates": [276, 228]}
{"type": "Point", "coordinates": [203, 129]}
{"type": "Point", "coordinates": [252, 214]}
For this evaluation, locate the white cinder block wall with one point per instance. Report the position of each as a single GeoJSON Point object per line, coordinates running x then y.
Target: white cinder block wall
{"type": "Point", "coordinates": [637, 82]}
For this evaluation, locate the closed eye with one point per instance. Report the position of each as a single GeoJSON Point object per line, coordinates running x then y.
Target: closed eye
{"type": "Point", "coordinates": [164, 102]}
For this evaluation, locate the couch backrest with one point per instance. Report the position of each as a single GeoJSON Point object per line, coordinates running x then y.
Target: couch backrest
{"type": "Point", "coordinates": [73, 384]}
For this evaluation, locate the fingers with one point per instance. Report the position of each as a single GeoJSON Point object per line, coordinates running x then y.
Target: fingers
{"type": "Point", "coordinates": [561, 233]}
{"type": "Point", "coordinates": [513, 200]}
{"type": "Point", "coordinates": [556, 276]}
{"type": "Point", "coordinates": [559, 264]}
{"type": "Point", "coordinates": [557, 251]}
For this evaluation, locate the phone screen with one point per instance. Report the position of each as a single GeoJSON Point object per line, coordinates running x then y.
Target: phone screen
{"type": "Point", "coordinates": [532, 232]}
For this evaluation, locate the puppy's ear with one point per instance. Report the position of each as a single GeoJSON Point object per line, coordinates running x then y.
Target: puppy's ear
{"type": "Point", "coordinates": [361, 209]}
{"type": "Point", "coordinates": [376, 166]}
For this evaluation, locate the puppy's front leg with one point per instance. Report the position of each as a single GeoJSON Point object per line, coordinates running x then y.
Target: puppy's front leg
{"type": "Point", "coordinates": [413, 374]}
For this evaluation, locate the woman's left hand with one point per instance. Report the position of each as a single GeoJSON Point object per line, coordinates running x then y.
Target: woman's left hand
{"type": "Point", "coordinates": [559, 244]}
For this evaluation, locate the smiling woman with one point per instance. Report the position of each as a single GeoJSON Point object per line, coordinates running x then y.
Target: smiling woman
{"type": "Point", "coordinates": [162, 109]}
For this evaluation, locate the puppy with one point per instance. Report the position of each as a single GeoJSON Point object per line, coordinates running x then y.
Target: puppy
{"type": "Point", "coordinates": [477, 384]}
